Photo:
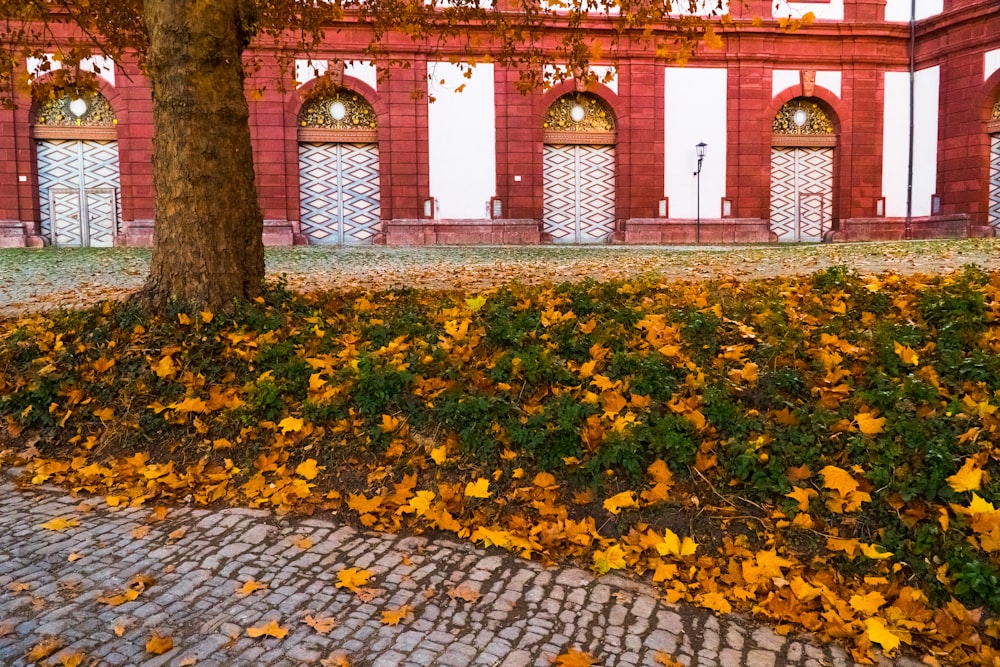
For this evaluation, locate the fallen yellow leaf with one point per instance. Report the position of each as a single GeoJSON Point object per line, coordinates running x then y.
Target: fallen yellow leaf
{"type": "Point", "coordinates": [158, 644]}
{"type": "Point", "coordinates": [269, 629]}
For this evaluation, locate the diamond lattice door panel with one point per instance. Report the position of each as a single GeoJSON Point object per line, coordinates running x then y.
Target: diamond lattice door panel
{"type": "Point", "coordinates": [78, 183]}
{"type": "Point", "coordinates": [801, 193]}
{"type": "Point", "coordinates": [579, 193]}
{"type": "Point", "coordinates": [339, 193]}
{"type": "Point", "coordinates": [994, 210]}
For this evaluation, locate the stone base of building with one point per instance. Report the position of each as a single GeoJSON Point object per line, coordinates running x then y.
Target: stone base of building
{"type": "Point", "coordinates": [136, 233]}
{"type": "Point", "coordinates": [679, 231]}
{"type": "Point", "coordinates": [278, 233]}
{"type": "Point", "coordinates": [894, 229]}
{"type": "Point", "coordinates": [461, 232]}
{"type": "Point", "coordinates": [14, 234]}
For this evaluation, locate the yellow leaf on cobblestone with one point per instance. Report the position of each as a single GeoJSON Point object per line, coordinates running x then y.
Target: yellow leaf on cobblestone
{"type": "Point", "coordinates": [335, 660]}
{"type": "Point", "coordinates": [250, 586]}
{"type": "Point", "coordinates": [18, 587]}
{"type": "Point", "coordinates": [158, 644]}
{"type": "Point", "coordinates": [74, 659]}
{"type": "Point", "coordinates": [60, 524]}
{"type": "Point", "coordinates": [303, 543]}
{"type": "Point", "coordinates": [352, 578]}
{"type": "Point", "coordinates": [43, 649]}
{"type": "Point", "coordinates": [269, 629]}
{"type": "Point", "coordinates": [140, 532]}
{"type": "Point", "coordinates": [394, 616]}
{"type": "Point", "coordinates": [321, 625]}
{"type": "Point", "coordinates": [968, 478]}
{"type": "Point", "coordinates": [177, 534]}
{"type": "Point", "coordinates": [574, 658]}
{"type": "Point", "coordinates": [620, 501]}
{"type": "Point", "coordinates": [74, 557]}
{"type": "Point", "coordinates": [463, 592]}
{"type": "Point", "coordinates": [478, 489]}
{"type": "Point", "coordinates": [666, 660]}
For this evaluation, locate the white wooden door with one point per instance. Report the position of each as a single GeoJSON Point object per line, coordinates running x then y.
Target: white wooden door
{"type": "Point", "coordinates": [339, 193]}
{"type": "Point", "coordinates": [994, 209]}
{"type": "Point", "coordinates": [78, 183]}
{"type": "Point", "coordinates": [579, 193]}
{"type": "Point", "coordinates": [801, 193]}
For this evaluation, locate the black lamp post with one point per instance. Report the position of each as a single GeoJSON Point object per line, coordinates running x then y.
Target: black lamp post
{"type": "Point", "coordinates": [700, 149]}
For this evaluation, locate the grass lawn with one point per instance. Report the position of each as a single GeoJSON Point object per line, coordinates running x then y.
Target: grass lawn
{"type": "Point", "coordinates": [817, 450]}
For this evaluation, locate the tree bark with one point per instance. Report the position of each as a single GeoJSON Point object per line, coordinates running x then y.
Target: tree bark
{"type": "Point", "coordinates": [207, 246]}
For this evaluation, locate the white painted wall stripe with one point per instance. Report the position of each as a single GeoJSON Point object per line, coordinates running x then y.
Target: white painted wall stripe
{"type": "Point", "coordinates": [992, 63]}
{"type": "Point", "coordinates": [695, 111]}
{"type": "Point", "coordinates": [462, 140]}
{"type": "Point", "coordinates": [899, 10]}
{"type": "Point", "coordinates": [782, 79]}
{"type": "Point", "coordinates": [832, 10]}
{"type": "Point", "coordinates": [895, 140]}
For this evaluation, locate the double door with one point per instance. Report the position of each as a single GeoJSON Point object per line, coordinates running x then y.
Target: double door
{"type": "Point", "coordinates": [79, 184]}
{"type": "Point", "coordinates": [579, 193]}
{"type": "Point", "coordinates": [339, 193]}
{"type": "Point", "coordinates": [801, 193]}
{"type": "Point", "coordinates": [994, 208]}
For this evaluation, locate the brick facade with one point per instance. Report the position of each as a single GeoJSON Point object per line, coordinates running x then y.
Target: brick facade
{"type": "Point", "coordinates": [861, 48]}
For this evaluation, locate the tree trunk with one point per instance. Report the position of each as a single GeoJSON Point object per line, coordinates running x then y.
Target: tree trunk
{"type": "Point", "coordinates": [207, 242]}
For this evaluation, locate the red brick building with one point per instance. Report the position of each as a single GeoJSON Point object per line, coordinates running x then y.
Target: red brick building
{"type": "Point", "coordinates": [806, 137]}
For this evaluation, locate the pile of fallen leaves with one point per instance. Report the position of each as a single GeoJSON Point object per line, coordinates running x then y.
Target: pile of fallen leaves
{"type": "Point", "coordinates": [821, 451]}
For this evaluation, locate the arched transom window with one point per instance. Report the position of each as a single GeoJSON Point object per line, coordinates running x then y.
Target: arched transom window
{"type": "Point", "coordinates": [339, 110]}
{"type": "Point", "coordinates": [579, 118]}
{"type": "Point", "coordinates": [71, 111]}
{"type": "Point", "coordinates": [802, 116]}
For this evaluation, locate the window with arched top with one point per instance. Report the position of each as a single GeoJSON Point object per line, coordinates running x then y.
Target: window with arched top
{"type": "Point", "coordinates": [805, 119]}
{"type": "Point", "coordinates": [342, 115]}
{"type": "Point", "coordinates": [579, 118]}
{"type": "Point", "coordinates": [92, 110]}
{"type": "Point", "coordinates": [996, 111]}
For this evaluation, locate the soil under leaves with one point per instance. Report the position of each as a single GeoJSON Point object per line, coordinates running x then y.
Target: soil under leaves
{"type": "Point", "coordinates": [818, 451]}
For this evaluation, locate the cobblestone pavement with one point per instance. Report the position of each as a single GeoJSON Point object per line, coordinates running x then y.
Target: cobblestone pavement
{"type": "Point", "coordinates": [524, 615]}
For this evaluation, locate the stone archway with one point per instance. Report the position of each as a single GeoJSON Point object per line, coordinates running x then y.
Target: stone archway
{"type": "Point", "coordinates": [578, 167]}
{"type": "Point", "coordinates": [339, 189]}
{"type": "Point", "coordinates": [802, 172]}
{"type": "Point", "coordinates": [79, 179]}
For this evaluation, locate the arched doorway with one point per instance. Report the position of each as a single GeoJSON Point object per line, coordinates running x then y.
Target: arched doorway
{"type": "Point", "coordinates": [993, 214]}
{"type": "Point", "coordinates": [578, 166]}
{"type": "Point", "coordinates": [802, 148]}
{"type": "Point", "coordinates": [79, 182]}
{"type": "Point", "coordinates": [339, 170]}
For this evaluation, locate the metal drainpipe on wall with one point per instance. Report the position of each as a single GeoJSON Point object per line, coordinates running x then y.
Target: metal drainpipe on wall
{"type": "Point", "coordinates": [908, 227]}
